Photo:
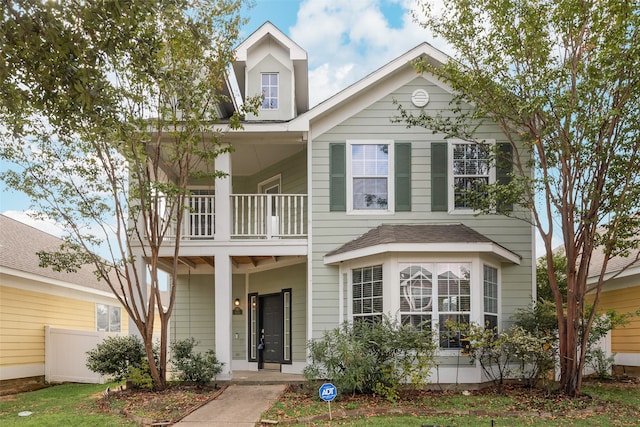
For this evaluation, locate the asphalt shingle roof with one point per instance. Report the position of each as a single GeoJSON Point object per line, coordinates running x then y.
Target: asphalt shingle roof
{"type": "Point", "coordinates": [19, 244]}
{"type": "Point", "coordinates": [414, 233]}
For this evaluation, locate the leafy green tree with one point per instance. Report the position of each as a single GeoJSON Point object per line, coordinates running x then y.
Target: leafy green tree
{"type": "Point", "coordinates": [562, 81]}
{"type": "Point", "coordinates": [543, 287]}
{"type": "Point", "coordinates": [109, 109]}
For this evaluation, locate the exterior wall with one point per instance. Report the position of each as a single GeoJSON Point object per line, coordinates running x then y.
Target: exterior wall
{"type": "Point", "coordinates": [24, 314]}
{"type": "Point", "coordinates": [623, 295]}
{"type": "Point", "coordinates": [292, 171]}
{"type": "Point", "coordinates": [332, 229]}
{"type": "Point", "coordinates": [272, 64]}
{"type": "Point", "coordinates": [193, 314]}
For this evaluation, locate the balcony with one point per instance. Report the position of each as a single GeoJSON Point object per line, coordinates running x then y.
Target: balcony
{"type": "Point", "coordinates": [253, 217]}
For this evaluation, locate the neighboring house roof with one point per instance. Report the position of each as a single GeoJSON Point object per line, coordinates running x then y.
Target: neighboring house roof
{"type": "Point", "coordinates": [19, 244]}
{"type": "Point", "coordinates": [419, 238]}
{"type": "Point", "coordinates": [630, 264]}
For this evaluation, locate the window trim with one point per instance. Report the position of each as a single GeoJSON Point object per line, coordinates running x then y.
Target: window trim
{"type": "Point", "coordinates": [390, 177]}
{"type": "Point", "coordinates": [452, 209]}
{"type": "Point", "coordinates": [109, 310]}
{"type": "Point", "coordinates": [262, 87]}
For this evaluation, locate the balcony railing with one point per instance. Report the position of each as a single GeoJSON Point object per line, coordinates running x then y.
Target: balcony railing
{"type": "Point", "coordinates": [253, 216]}
{"type": "Point", "coordinates": [268, 216]}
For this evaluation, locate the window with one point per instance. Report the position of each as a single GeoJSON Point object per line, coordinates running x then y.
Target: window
{"type": "Point", "coordinates": [471, 170]}
{"type": "Point", "coordinates": [367, 293]}
{"type": "Point", "coordinates": [269, 86]}
{"type": "Point", "coordinates": [490, 281]}
{"type": "Point", "coordinates": [416, 295]}
{"type": "Point", "coordinates": [108, 318]}
{"type": "Point", "coordinates": [451, 290]}
{"type": "Point", "coordinates": [370, 176]}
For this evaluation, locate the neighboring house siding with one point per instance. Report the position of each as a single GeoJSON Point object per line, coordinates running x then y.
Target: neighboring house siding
{"type": "Point", "coordinates": [332, 229]}
{"type": "Point", "coordinates": [624, 339]}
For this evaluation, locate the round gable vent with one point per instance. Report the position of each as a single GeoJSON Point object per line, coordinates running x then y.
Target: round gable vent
{"type": "Point", "coordinates": [420, 98]}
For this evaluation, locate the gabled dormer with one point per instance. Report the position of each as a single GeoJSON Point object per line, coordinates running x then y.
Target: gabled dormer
{"type": "Point", "coordinates": [270, 63]}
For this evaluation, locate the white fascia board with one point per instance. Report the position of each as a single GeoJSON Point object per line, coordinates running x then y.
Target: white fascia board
{"type": "Point", "coordinates": [423, 49]}
{"type": "Point", "coordinates": [296, 53]}
{"type": "Point", "coordinates": [493, 248]}
{"type": "Point", "coordinates": [43, 280]}
{"type": "Point", "coordinates": [592, 280]}
{"type": "Point", "coordinates": [262, 127]}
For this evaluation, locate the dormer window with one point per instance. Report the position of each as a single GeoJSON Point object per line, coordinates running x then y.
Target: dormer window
{"type": "Point", "coordinates": [269, 91]}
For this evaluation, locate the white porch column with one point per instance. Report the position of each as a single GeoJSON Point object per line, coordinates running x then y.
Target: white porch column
{"type": "Point", "coordinates": [223, 314]}
{"type": "Point", "coordinates": [222, 198]}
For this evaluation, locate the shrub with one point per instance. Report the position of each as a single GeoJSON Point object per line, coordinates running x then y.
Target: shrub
{"type": "Point", "coordinates": [199, 368]}
{"type": "Point", "coordinates": [141, 377]}
{"type": "Point", "coordinates": [377, 357]}
{"type": "Point", "coordinates": [115, 355]}
{"type": "Point", "coordinates": [597, 360]}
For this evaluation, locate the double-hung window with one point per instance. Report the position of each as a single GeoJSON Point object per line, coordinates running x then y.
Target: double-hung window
{"type": "Point", "coordinates": [367, 293]}
{"type": "Point", "coordinates": [370, 176]}
{"type": "Point", "coordinates": [269, 85]}
{"type": "Point", "coordinates": [108, 318]}
{"type": "Point", "coordinates": [471, 171]}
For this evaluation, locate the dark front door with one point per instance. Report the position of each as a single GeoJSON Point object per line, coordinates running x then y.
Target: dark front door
{"type": "Point", "coordinates": [271, 322]}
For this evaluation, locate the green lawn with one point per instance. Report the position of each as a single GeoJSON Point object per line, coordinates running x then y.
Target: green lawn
{"type": "Point", "coordinates": [61, 405]}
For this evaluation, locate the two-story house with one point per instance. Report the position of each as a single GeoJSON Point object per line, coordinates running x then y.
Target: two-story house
{"type": "Point", "coordinates": [337, 213]}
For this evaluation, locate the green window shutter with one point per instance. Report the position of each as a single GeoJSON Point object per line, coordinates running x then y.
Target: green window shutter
{"type": "Point", "coordinates": [403, 176]}
{"type": "Point", "coordinates": [504, 166]}
{"type": "Point", "coordinates": [439, 181]}
{"type": "Point", "coordinates": [337, 178]}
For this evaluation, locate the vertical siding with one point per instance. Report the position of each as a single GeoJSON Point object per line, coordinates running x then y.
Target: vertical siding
{"type": "Point", "coordinates": [332, 229]}
{"type": "Point", "coordinates": [24, 314]}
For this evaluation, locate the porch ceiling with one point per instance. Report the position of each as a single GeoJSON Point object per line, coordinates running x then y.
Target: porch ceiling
{"type": "Point", "coordinates": [237, 261]}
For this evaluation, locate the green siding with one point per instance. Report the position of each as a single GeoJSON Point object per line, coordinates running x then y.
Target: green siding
{"type": "Point", "coordinates": [193, 313]}
{"type": "Point", "coordinates": [292, 171]}
{"type": "Point", "coordinates": [331, 229]}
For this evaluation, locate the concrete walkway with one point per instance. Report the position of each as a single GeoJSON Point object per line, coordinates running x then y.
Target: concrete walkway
{"type": "Point", "coordinates": [238, 405]}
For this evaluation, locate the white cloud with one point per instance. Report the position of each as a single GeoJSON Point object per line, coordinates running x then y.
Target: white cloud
{"type": "Point", "coordinates": [346, 40]}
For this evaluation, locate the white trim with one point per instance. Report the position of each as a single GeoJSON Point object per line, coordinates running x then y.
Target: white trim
{"type": "Point", "coordinates": [440, 248]}
{"type": "Point", "coordinates": [631, 271]}
{"type": "Point", "coordinates": [390, 177]}
{"type": "Point", "coordinates": [267, 184]}
{"type": "Point", "coordinates": [295, 51]}
{"type": "Point", "coordinates": [11, 372]}
{"type": "Point", "coordinates": [37, 283]}
{"type": "Point", "coordinates": [627, 359]}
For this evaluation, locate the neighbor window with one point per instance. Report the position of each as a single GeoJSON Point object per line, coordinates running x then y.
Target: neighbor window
{"type": "Point", "coordinates": [367, 293]}
{"type": "Point", "coordinates": [108, 318]}
{"type": "Point", "coordinates": [269, 86]}
{"type": "Point", "coordinates": [370, 176]}
{"type": "Point", "coordinates": [471, 170]}
{"type": "Point", "coordinates": [446, 284]}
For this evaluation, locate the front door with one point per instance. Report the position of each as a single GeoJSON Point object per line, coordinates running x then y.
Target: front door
{"type": "Point", "coordinates": [271, 327]}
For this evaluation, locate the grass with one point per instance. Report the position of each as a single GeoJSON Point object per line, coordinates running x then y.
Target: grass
{"type": "Point", "coordinates": [61, 405]}
{"type": "Point", "coordinates": [604, 404]}
{"type": "Point", "coordinates": [607, 404]}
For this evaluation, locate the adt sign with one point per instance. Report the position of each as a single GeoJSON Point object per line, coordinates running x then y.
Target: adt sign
{"type": "Point", "coordinates": [328, 392]}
